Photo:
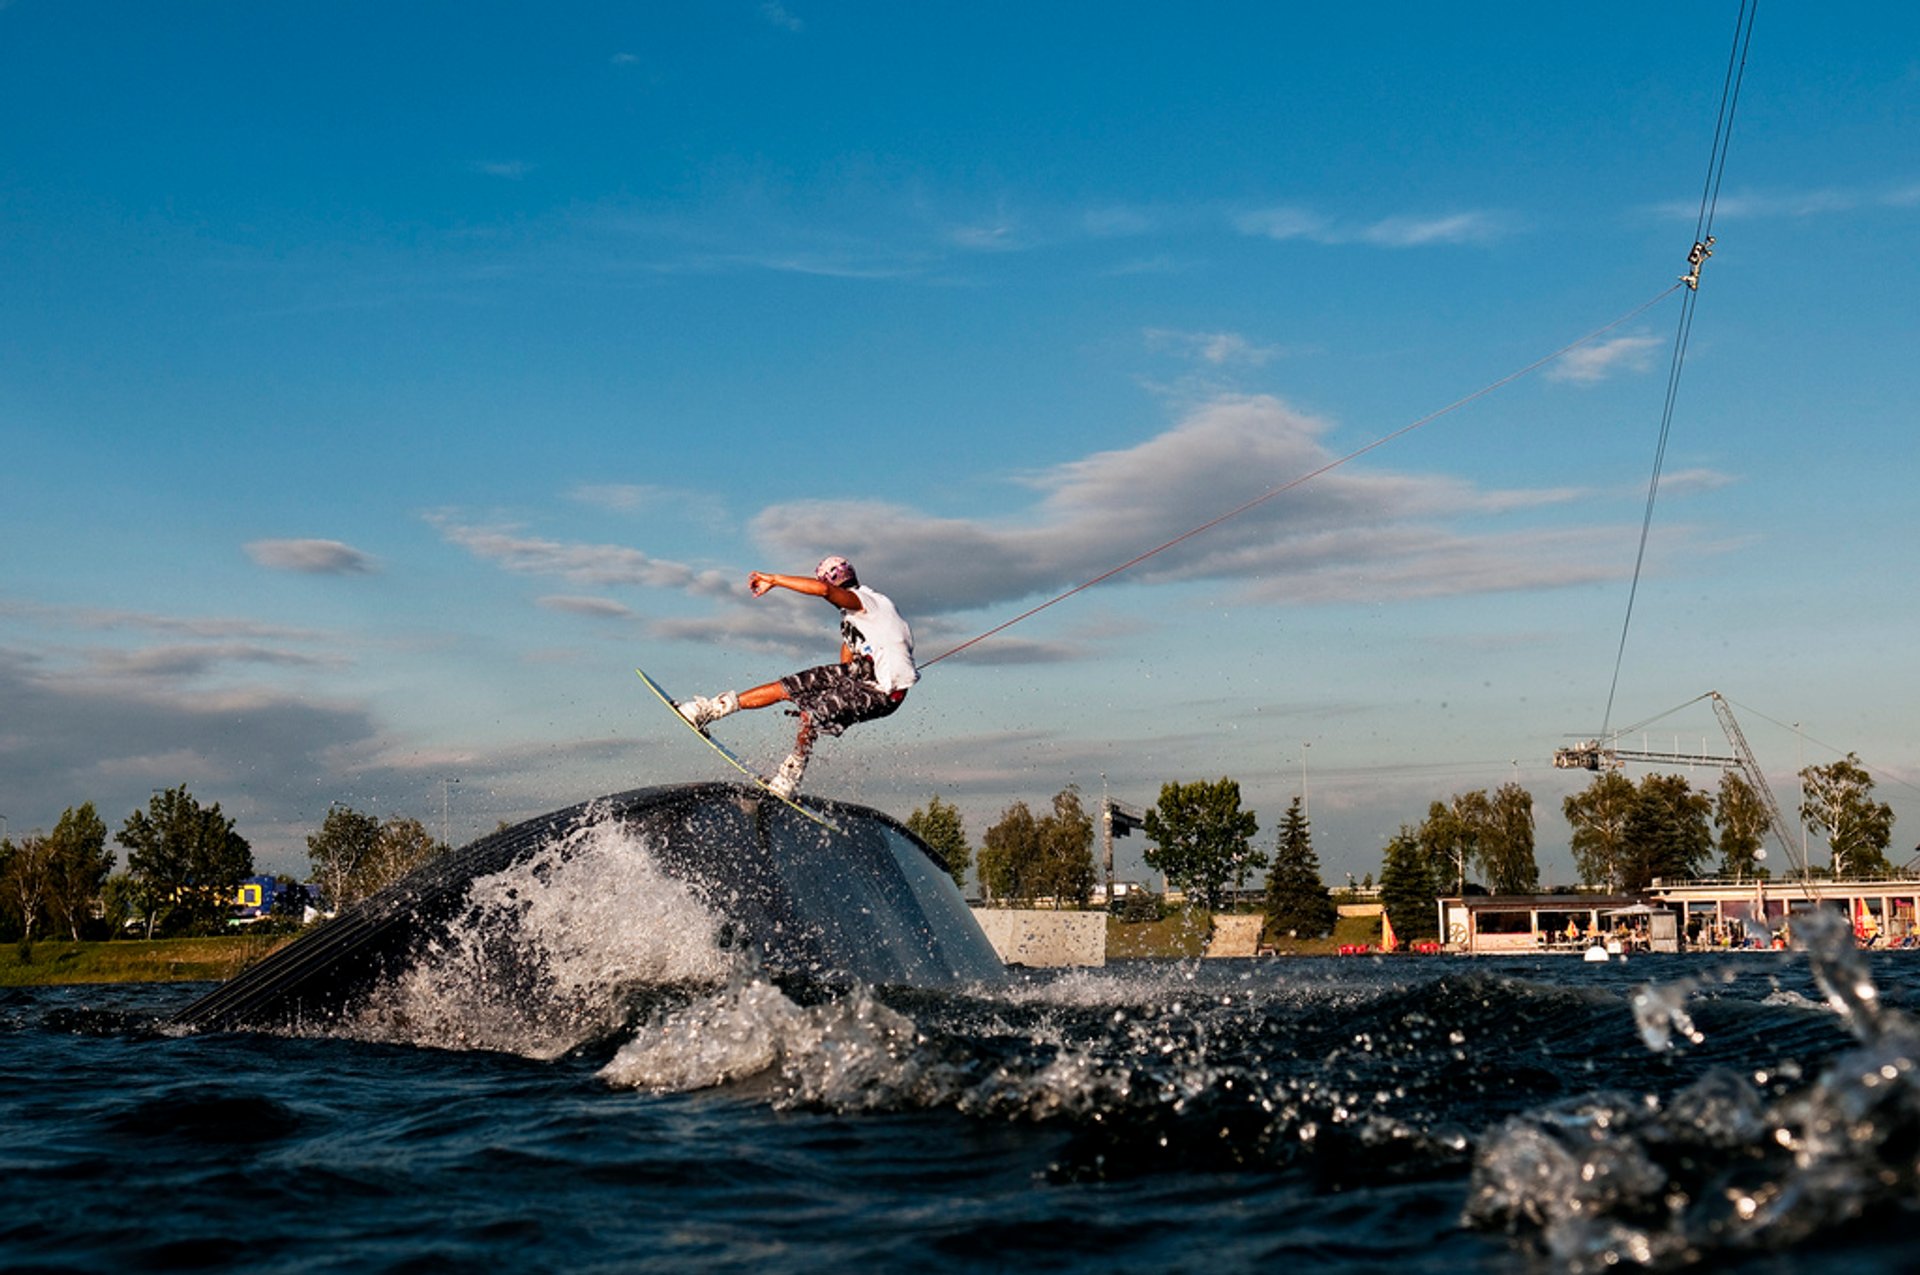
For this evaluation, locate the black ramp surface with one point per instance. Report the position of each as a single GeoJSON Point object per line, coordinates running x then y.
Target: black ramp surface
{"type": "Point", "coordinates": [866, 904]}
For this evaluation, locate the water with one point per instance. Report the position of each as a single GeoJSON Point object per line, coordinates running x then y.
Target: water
{"type": "Point", "coordinates": [1756, 1112]}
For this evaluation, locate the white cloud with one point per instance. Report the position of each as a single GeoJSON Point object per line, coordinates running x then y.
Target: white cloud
{"type": "Point", "coordinates": [1286, 222]}
{"type": "Point", "coordinates": [620, 496]}
{"type": "Point", "coordinates": [219, 628]}
{"type": "Point", "coordinates": [1300, 531]}
{"type": "Point", "coordinates": [510, 169]}
{"type": "Point", "coordinates": [1819, 202]}
{"type": "Point", "coordinates": [706, 509]}
{"type": "Point", "coordinates": [1679, 481]}
{"type": "Point", "coordinates": [1282, 223]}
{"type": "Point", "coordinates": [1352, 528]}
{"type": "Point", "coordinates": [592, 608]}
{"type": "Point", "coordinates": [998, 235]}
{"type": "Point", "coordinates": [193, 661]}
{"type": "Point", "coordinates": [1218, 349]}
{"type": "Point", "coordinates": [1416, 232]}
{"type": "Point", "coordinates": [776, 14]}
{"type": "Point", "coordinates": [1595, 362]}
{"type": "Point", "coordinates": [581, 563]}
{"type": "Point", "coordinates": [312, 557]}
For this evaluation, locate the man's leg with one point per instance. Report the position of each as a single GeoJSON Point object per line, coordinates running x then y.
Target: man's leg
{"type": "Point", "coordinates": [702, 711]}
{"type": "Point", "coordinates": [787, 778]}
{"type": "Point", "coordinates": [761, 696]}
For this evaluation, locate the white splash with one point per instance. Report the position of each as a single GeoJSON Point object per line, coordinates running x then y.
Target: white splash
{"type": "Point", "coordinates": [850, 1053]}
{"type": "Point", "coordinates": [548, 953]}
{"type": "Point", "coordinates": [1723, 1166]}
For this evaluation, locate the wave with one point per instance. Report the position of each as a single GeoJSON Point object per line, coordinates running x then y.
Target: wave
{"type": "Point", "coordinates": [555, 952]}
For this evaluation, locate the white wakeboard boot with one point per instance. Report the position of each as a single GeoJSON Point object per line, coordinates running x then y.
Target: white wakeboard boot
{"type": "Point", "coordinates": [787, 778]}
{"type": "Point", "coordinates": [700, 711]}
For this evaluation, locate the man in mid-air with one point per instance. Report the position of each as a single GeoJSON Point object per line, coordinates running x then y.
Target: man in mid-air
{"type": "Point", "coordinates": [872, 678]}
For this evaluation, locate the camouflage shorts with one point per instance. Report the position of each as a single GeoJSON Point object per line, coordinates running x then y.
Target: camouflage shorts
{"type": "Point", "coordinates": [835, 696]}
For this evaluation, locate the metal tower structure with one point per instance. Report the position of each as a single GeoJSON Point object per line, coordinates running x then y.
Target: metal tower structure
{"type": "Point", "coordinates": [1593, 754]}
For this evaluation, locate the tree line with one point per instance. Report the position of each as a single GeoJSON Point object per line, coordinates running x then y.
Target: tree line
{"type": "Point", "coordinates": [184, 865]}
{"type": "Point", "coordinates": [1203, 843]}
{"type": "Point", "coordinates": [1624, 836]}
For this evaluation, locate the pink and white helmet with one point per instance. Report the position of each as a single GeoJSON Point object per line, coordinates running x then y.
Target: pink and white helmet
{"type": "Point", "coordinates": [836, 571]}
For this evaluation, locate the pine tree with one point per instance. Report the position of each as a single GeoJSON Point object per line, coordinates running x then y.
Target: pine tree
{"type": "Point", "coordinates": [1297, 900]}
{"type": "Point", "coordinates": [1408, 887]}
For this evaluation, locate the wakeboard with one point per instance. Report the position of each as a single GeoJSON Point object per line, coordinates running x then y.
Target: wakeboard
{"type": "Point", "coordinates": [733, 758]}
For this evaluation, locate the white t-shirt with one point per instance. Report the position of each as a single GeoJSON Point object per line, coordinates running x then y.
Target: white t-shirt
{"type": "Point", "coordinates": [878, 630]}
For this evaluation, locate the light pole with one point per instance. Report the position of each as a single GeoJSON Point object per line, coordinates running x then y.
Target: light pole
{"type": "Point", "coordinates": [1800, 772]}
{"type": "Point", "coordinates": [446, 838]}
{"type": "Point", "coordinates": [1306, 806]}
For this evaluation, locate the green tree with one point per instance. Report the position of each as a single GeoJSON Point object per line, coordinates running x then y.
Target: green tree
{"type": "Point", "coordinates": [189, 857]}
{"type": "Point", "coordinates": [1297, 899]}
{"type": "Point", "coordinates": [1446, 841]}
{"type": "Point", "coordinates": [123, 900]}
{"type": "Point", "coordinates": [1202, 838]}
{"type": "Point", "coordinates": [81, 862]}
{"type": "Point", "coordinates": [1504, 841]}
{"type": "Point", "coordinates": [1839, 805]}
{"type": "Point", "coordinates": [938, 824]}
{"type": "Point", "coordinates": [1598, 814]}
{"type": "Point", "coordinates": [1066, 851]}
{"type": "Point", "coordinates": [1010, 856]}
{"type": "Point", "coordinates": [1667, 833]}
{"type": "Point", "coordinates": [403, 846]}
{"type": "Point", "coordinates": [26, 882]}
{"type": "Point", "coordinates": [1449, 837]}
{"type": "Point", "coordinates": [1741, 819]}
{"type": "Point", "coordinates": [340, 855]}
{"type": "Point", "coordinates": [1408, 888]}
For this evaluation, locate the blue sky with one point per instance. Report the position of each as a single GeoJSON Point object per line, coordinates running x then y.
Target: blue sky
{"type": "Point", "coordinates": [380, 384]}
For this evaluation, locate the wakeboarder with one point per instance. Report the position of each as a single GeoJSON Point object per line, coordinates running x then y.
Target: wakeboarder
{"type": "Point", "coordinates": [871, 680]}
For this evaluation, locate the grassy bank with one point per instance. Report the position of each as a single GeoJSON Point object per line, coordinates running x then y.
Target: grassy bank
{"type": "Point", "coordinates": [1348, 931]}
{"type": "Point", "coordinates": [133, 960]}
{"type": "Point", "coordinates": [1183, 935]}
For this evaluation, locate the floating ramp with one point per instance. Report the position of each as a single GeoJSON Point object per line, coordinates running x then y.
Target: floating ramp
{"type": "Point", "coordinates": [865, 903]}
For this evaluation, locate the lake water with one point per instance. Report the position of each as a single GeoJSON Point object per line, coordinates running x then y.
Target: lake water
{"type": "Point", "coordinates": [1409, 1114]}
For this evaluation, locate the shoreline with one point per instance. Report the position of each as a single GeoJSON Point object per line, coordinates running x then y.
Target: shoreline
{"type": "Point", "coordinates": [65, 963]}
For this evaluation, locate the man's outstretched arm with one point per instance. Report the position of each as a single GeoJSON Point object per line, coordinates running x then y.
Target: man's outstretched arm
{"type": "Point", "coordinates": [759, 582]}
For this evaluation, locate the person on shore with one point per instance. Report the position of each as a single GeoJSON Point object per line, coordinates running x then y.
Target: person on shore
{"type": "Point", "coordinates": [871, 680]}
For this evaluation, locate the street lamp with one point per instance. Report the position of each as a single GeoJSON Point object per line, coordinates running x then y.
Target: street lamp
{"type": "Point", "coordinates": [1800, 772]}
{"type": "Point", "coordinates": [446, 838]}
{"type": "Point", "coordinates": [1306, 806]}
